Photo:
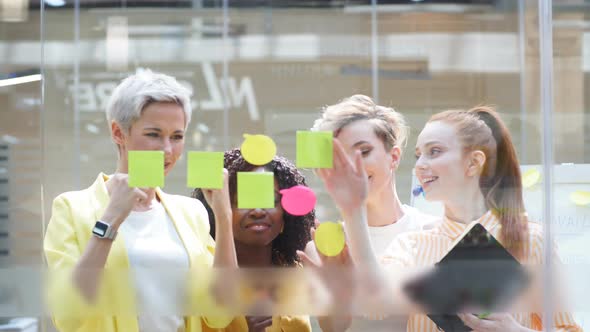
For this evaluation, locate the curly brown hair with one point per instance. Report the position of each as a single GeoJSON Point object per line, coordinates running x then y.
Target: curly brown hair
{"type": "Point", "coordinates": [296, 232]}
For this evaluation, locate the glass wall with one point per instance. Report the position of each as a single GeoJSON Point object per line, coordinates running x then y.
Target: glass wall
{"type": "Point", "coordinates": [268, 67]}
{"type": "Point", "coordinates": [21, 162]}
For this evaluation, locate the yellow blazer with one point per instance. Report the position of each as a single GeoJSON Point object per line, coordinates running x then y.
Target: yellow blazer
{"type": "Point", "coordinates": [68, 232]}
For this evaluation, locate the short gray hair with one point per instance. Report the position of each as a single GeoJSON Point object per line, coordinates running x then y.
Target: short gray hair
{"type": "Point", "coordinates": [136, 92]}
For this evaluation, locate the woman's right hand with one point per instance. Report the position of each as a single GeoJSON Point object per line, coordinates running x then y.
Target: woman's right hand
{"type": "Point", "coordinates": [219, 200]}
{"type": "Point", "coordinates": [336, 274]}
{"type": "Point", "coordinates": [346, 181]}
{"type": "Point", "coordinates": [122, 199]}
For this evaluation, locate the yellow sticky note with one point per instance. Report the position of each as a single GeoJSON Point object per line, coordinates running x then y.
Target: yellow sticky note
{"type": "Point", "coordinates": [530, 178]}
{"type": "Point", "coordinates": [580, 197]}
{"type": "Point", "coordinates": [329, 238]}
{"type": "Point", "coordinates": [146, 169]}
{"type": "Point", "coordinates": [256, 190]}
{"type": "Point", "coordinates": [204, 170]}
{"type": "Point", "coordinates": [314, 149]}
{"type": "Point", "coordinates": [258, 149]}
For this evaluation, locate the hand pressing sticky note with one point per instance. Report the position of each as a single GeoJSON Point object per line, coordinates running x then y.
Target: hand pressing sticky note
{"type": "Point", "coordinates": [314, 149]}
{"type": "Point", "coordinates": [298, 200]}
{"type": "Point", "coordinates": [146, 169]}
{"type": "Point", "coordinates": [580, 197]}
{"type": "Point", "coordinates": [329, 238]}
{"type": "Point", "coordinates": [204, 170]}
{"type": "Point", "coordinates": [258, 149]}
{"type": "Point", "coordinates": [256, 190]}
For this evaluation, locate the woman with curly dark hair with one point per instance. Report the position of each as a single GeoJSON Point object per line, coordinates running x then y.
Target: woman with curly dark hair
{"type": "Point", "coordinates": [265, 237]}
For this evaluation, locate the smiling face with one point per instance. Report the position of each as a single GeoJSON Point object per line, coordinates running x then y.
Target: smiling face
{"type": "Point", "coordinates": [379, 163]}
{"type": "Point", "coordinates": [441, 164]}
{"type": "Point", "coordinates": [160, 128]}
{"type": "Point", "coordinates": [258, 226]}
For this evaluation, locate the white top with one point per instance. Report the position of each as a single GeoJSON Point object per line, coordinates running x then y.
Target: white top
{"type": "Point", "coordinates": [381, 238]}
{"type": "Point", "coordinates": [158, 259]}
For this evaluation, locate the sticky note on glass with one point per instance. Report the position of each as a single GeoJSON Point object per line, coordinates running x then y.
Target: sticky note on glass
{"type": "Point", "coordinates": [204, 170]}
{"type": "Point", "coordinates": [530, 178]}
{"type": "Point", "coordinates": [298, 200]}
{"type": "Point", "coordinates": [329, 238]}
{"type": "Point", "coordinates": [258, 149]}
{"type": "Point", "coordinates": [146, 169]}
{"type": "Point", "coordinates": [580, 197]}
{"type": "Point", "coordinates": [256, 190]}
{"type": "Point", "coordinates": [314, 149]}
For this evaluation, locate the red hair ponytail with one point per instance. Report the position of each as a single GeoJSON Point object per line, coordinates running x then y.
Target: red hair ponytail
{"type": "Point", "coordinates": [481, 128]}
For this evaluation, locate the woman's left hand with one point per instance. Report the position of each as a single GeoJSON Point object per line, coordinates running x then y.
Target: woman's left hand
{"type": "Point", "coordinates": [218, 199]}
{"type": "Point", "coordinates": [498, 322]}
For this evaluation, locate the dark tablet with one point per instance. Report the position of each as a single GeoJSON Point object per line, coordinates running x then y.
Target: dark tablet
{"type": "Point", "coordinates": [478, 274]}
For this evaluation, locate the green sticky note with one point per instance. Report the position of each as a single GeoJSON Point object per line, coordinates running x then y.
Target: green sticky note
{"type": "Point", "coordinates": [314, 149]}
{"type": "Point", "coordinates": [256, 190]}
{"type": "Point", "coordinates": [146, 169]}
{"type": "Point", "coordinates": [484, 315]}
{"type": "Point", "coordinates": [204, 170]}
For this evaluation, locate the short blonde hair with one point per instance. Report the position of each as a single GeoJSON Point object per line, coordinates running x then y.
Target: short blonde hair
{"type": "Point", "coordinates": [136, 92]}
{"type": "Point", "coordinates": [388, 124]}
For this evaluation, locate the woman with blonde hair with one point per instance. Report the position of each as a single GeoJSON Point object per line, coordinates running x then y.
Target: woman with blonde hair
{"type": "Point", "coordinates": [378, 134]}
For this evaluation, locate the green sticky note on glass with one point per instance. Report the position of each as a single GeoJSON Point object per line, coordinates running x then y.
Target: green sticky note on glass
{"type": "Point", "coordinates": [314, 149]}
{"type": "Point", "coordinates": [256, 190]}
{"type": "Point", "coordinates": [146, 169]}
{"type": "Point", "coordinates": [484, 315]}
{"type": "Point", "coordinates": [204, 170]}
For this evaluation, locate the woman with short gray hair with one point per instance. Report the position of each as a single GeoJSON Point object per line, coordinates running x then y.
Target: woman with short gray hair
{"type": "Point", "coordinates": [111, 226]}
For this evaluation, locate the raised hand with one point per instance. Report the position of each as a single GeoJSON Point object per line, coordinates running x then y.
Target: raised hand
{"type": "Point", "coordinates": [347, 181]}
{"type": "Point", "coordinates": [122, 199]}
{"type": "Point", "coordinates": [336, 274]}
{"type": "Point", "coordinates": [312, 258]}
{"type": "Point", "coordinates": [219, 200]}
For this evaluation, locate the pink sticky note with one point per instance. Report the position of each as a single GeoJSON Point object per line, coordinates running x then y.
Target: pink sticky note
{"type": "Point", "coordinates": [298, 200]}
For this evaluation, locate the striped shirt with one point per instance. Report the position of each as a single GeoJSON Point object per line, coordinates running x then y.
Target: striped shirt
{"type": "Point", "coordinates": [425, 248]}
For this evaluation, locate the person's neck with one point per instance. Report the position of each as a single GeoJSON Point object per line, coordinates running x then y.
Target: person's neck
{"type": "Point", "coordinates": [385, 208]}
{"type": "Point", "coordinates": [253, 256]}
{"type": "Point", "coordinates": [466, 208]}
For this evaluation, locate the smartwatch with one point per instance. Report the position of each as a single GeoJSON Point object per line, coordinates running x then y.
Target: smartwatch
{"type": "Point", "coordinates": [104, 230]}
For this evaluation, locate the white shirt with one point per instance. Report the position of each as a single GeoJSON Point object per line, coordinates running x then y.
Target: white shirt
{"type": "Point", "coordinates": [158, 259]}
{"type": "Point", "coordinates": [381, 237]}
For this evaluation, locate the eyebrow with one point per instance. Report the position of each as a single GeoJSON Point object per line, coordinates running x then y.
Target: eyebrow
{"type": "Point", "coordinates": [360, 143]}
{"type": "Point", "coordinates": [160, 130]}
{"type": "Point", "coordinates": [429, 143]}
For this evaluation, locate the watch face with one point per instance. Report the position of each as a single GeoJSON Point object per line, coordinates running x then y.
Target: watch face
{"type": "Point", "coordinates": [100, 229]}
